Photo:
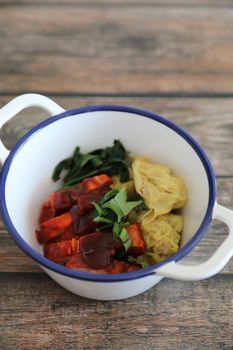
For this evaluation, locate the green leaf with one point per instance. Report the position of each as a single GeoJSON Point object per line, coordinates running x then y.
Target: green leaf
{"type": "Point", "coordinates": [102, 219]}
{"type": "Point", "coordinates": [78, 179]}
{"type": "Point", "coordinates": [103, 215]}
{"type": "Point", "coordinates": [117, 227]}
{"type": "Point", "coordinates": [85, 158]}
{"type": "Point", "coordinates": [110, 160]}
{"type": "Point", "coordinates": [120, 205]}
{"type": "Point", "coordinates": [124, 173]}
{"type": "Point", "coordinates": [118, 150]}
{"type": "Point", "coordinates": [98, 208]}
{"type": "Point", "coordinates": [109, 195]}
{"type": "Point", "coordinates": [76, 153]}
{"type": "Point", "coordinates": [112, 211]}
{"type": "Point", "coordinates": [142, 263]}
{"type": "Point", "coordinates": [131, 259]}
{"type": "Point", "coordinates": [114, 206]}
{"type": "Point", "coordinates": [141, 206]}
{"type": "Point", "coordinates": [122, 234]}
{"type": "Point", "coordinates": [125, 239]}
{"type": "Point", "coordinates": [63, 165]}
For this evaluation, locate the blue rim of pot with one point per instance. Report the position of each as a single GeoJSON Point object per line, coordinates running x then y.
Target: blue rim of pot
{"type": "Point", "coordinates": [108, 277]}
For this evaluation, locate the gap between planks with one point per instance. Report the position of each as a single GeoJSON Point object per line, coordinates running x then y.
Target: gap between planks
{"type": "Point", "coordinates": [119, 3]}
{"type": "Point", "coordinates": [133, 95]}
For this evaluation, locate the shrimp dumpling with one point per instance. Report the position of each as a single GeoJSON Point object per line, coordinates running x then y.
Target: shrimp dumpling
{"type": "Point", "coordinates": [160, 189]}
{"type": "Point", "coordinates": [161, 234]}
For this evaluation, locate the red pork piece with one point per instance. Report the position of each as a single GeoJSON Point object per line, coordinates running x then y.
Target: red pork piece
{"type": "Point", "coordinates": [58, 223]}
{"type": "Point", "coordinates": [85, 201]}
{"type": "Point", "coordinates": [93, 183]}
{"type": "Point", "coordinates": [66, 235]}
{"type": "Point", "coordinates": [89, 184]}
{"type": "Point", "coordinates": [138, 245]}
{"type": "Point", "coordinates": [99, 248]}
{"type": "Point", "coordinates": [121, 267]}
{"type": "Point", "coordinates": [45, 235]}
{"type": "Point", "coordinates": [133, 267]}
{"type": "Point", "coordinates": [47, 212]}
{"type": "Point", "coordinates": [60, 252]}
{"type": "Point", "coordinates": [64, 199]}
{"type": "Point", "coordinates": [82, 224]}
{"type": "Point", "coordinates": [61, 200]}
{"type": "Point", "coordinates": [78, 263]}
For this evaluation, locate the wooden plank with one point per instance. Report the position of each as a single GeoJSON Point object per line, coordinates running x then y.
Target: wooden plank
{"type": "Point", "coordinates": [157, 3]}
{"type": "Point", "coordinates": [210, 121]}
{"type": "Point", "coordinates": [12, 259]}
{"type": "Point", "coordinates": [172, 315]}
{"type": "Point", "coordinates": [124, 49]}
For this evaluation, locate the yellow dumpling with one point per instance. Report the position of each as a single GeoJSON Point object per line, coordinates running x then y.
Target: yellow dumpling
{"type": "Point", "coordinates": [161, 234]}
{"type": "Point", "coordinates": [160, 190]}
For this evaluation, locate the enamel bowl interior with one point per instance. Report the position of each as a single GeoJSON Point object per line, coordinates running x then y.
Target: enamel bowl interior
{"type": "Point", "coordinates": [27, 174]}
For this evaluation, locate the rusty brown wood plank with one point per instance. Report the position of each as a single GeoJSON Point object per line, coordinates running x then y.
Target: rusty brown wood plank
{"type": "Point", "coordinates": [157, 3]}
{"type": "Point", "coordinates": [129, 49]}
{"type": "Point", "coordinates": [35, 313]}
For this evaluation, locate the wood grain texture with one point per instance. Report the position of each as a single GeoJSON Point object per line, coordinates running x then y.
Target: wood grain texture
{"type": "Point", "coordinates": [125, 49]}
{"type": "Point", "coordinates": [149, 54]}
{"type": "Point", "coordinates": [210, 121]}
{"type": "Point", "coordinates": [173, 315]}
{"type": "Point", "coordinates": [156, 3]}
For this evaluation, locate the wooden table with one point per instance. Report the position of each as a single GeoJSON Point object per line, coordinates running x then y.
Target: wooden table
{"type": "Point", "coordinates": [172, 57]}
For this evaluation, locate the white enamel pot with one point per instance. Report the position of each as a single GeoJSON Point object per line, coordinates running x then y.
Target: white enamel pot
{"type": "Point", "coordinates": [25, 183]}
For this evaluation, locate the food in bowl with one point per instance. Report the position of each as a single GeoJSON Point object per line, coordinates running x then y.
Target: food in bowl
{"type": "Point", "coordinates": [113, 214]}
{"type": "Point", "coordinates": [96, 126]}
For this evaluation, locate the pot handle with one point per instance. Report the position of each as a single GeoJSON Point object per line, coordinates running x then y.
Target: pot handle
{"type": "Point", "coordinates": [17, 105]}
{"type": "Point", "coordinates": [214, 264]}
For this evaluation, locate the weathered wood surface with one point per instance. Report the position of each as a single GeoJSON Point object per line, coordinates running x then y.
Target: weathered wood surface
{"type": "Point", "coordinates": [173, 57]}
{"type": "Point", "coordinates": [38, 314]}
{"type": "Point", "coordinates": [143, 48]}
{"type": "Point", "coordinates": [158, 3]}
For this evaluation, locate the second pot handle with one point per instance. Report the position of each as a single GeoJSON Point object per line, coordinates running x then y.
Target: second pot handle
{"type": "Point", "coordinates": [214, 264]}
{"type": "Point", "coordinates": [17, 105]}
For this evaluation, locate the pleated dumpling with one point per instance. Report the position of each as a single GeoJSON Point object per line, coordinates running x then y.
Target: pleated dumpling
{"type": "Point", "coordinates": [160, 189]}
{"type": "Point", "coordinates": [161, 234]}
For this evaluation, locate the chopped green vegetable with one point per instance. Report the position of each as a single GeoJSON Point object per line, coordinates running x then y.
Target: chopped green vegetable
{"type": "Point", "coordinates": [110, 160]}
{"type": "Point", "coordinates": [63, 165]}
{"type": "Point", "coordinates": [98, 208]}
{"type": "Point", "coordinates": [117, 227]}
{"type": "Point", "coordinates": [109, 195]}
{"type": "Point", "coordinates": [120, 205]}
{"type": "Point", "coordinates": [114, 206]}
{"type": "Point", "coordinates": [117, 206]}
{"type": "Point", "coordinates": [136, 260]}
{"type": "Point", "coordinates": [113, 210]}
{"type": "Point", "coordinates": [125, 239]}
{"type": "Point", "coordinates": [102, 219]}
{"type": "Point", "coordinates": [120, 232]}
